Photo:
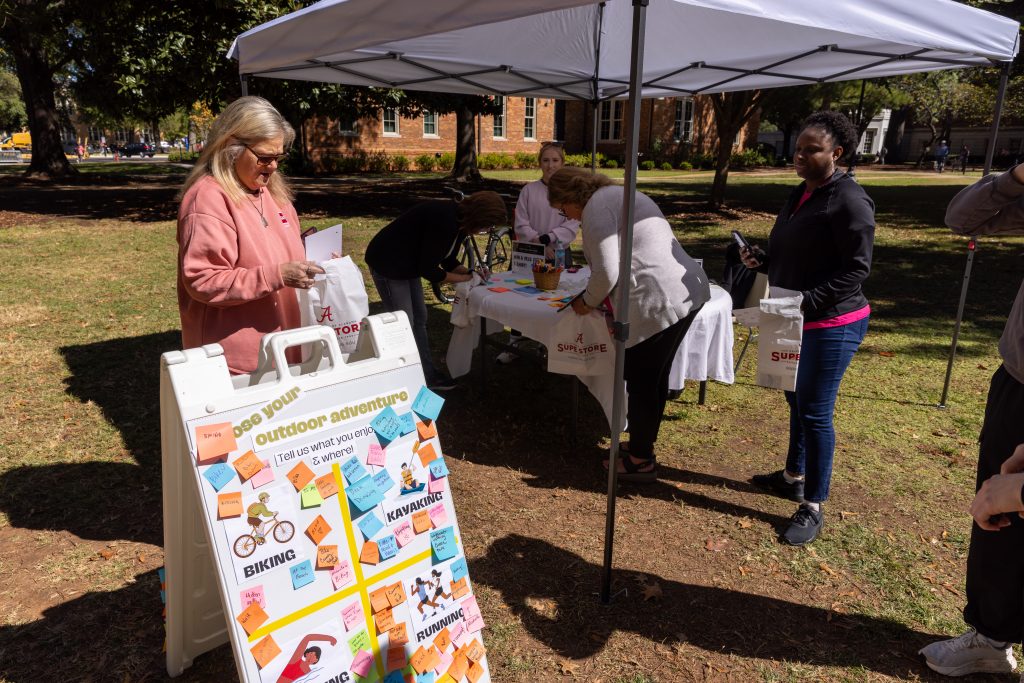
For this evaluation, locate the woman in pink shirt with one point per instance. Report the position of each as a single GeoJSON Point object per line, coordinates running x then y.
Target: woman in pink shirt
{"type": "Point", "coordinates": [239, 250]}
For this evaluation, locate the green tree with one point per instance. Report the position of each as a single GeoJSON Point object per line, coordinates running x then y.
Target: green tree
{"type": "Point", "coordinates": [12, 109]}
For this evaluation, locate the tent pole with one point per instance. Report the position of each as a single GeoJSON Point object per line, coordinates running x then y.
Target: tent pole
{"type": "Point", "coordinates": [593, 138]}
{"type": "Point", "coordinates": [625, 263]}
{"type": "Point", "coordinates": [1004, 74]}
{"type": "Point", "coordinates": [595, 87]}
{"type": "Point", "coordinates": [245, 84]}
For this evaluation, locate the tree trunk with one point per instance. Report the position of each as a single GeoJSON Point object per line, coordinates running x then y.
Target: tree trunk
{"type": "Point", "coordinates": [465, 167]}
{"type": "Point", "coordinates": [894, 134]}
{"type": "Point", "coordinates": [725, 139]}
{"type": "Point", "coordinates": [787, 140]}
{"type": "Point", "coordinates": [732, 111]}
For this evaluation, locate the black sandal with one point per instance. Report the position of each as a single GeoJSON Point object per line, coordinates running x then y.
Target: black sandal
{"type": "Point", "coordinates": [643, 472]}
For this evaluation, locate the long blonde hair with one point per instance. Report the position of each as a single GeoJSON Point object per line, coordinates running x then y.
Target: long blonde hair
{"type": "Point", "coordinates": [245, 122]}
{"type": "Point", "coordinates": [571, 185]}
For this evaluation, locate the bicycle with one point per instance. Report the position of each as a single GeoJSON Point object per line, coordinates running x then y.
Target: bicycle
{"type": "Point", "coordinates": [496, 255]}
{"type": "Point", "coordinates": [245, 545]}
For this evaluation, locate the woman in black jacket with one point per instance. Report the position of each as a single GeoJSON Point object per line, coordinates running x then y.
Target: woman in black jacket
{"type": "Point", "coordinates": [820, 246]}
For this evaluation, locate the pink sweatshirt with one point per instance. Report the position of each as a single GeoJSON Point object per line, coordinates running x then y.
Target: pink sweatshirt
{"type": "Point", "coordinates": [535, 217]}
{"type": "Point", "coordinates": [230, 290]}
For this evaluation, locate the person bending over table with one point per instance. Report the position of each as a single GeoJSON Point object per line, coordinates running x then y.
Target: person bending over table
{"type": "Point", "coordinates": [669, 288]}
{"type": "Point", "coordinates": [239, 250]}
{"type": "Point", "coordinates": [820, 246]}
{"type": "Point", "coordinates": [537, 221]}
{"type": "Point", "coordinates": [424, 243]}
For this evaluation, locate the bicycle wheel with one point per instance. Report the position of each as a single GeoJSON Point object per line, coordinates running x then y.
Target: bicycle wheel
{"type": "Point", "coordinates": [245, 545]}
{"type": "Point", "coordinates": [499, 250]}
{"type": "Point", "coordinates": [445, 291]}
{"type": "Point", "coordinates": [283, 532]}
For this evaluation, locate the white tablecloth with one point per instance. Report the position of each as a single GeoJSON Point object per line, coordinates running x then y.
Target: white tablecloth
{"type": "Point", "coordinates": [705, 353]}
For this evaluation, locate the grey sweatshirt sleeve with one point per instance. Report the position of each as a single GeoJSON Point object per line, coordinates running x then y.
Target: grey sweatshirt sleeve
{"type": "Point", "coordinates": [992, 206]}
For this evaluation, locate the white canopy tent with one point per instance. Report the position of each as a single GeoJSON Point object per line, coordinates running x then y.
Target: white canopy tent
{"type": "Point", "coordinates": [594, 51]}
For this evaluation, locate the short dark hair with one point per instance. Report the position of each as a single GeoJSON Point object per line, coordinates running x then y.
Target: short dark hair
{"type": "Point", "coordinates": [838, 127]}
{"type": "Point", "coordinates": [315, 650]}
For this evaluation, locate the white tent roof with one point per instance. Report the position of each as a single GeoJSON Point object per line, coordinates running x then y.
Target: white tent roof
{"type": "Point", "coordinates": [555, 48]}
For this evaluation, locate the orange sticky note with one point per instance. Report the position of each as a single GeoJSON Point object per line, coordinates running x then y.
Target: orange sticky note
{"type": "Point", "coordinates": [252, 617]}
{"type": "Point", "coordinates": [427, 454]}
{"type": "Point", "coordinates": [476, 670]}
{"type": "Point", "coordinates": [443, 639]}
{"type": "Point", "coordinates": [327, 485]}
{"type": "Point", "coordinates": [370, 554]}
{"type": "Point", "coordinates": [265, 651]}
{"type": "Point", "coordinates": [419, 660]}
{"type": "Point", "coordinates": [395, 594]}
{"type": "Point", "coordinates": [396, 658]}
{"type": "Point", "coordinates": [300, 475]}
{"type": "Point", "coordinates": [433, 657]}
{"type": "Point", "coordinates": [458, 668]}
{"type": "Point", "coordinates": [398, 635]}
{"type": "Point", "coordinates": [474, 650]}
{"type": "Point", "coordinates": [248, 465]}
{"type": "Point", "coordinates": [384, 620]}
{"type": "Point", "coordinates": [326, 556]}
{"type": "Point", "coordinates": [426, 430]}
{"type": "Point", "coordinates": [229, 505]}
{"type": "Point", "coordinates": [379, 599]}
{"type": "Point", "coordinates": [421, 521]}
{"type": "Point", "coordinates": [214, 441]}
{"type": "Point", "coordinates": [459, 588]}
{"type": "Point", "coordinates": [317, 529]}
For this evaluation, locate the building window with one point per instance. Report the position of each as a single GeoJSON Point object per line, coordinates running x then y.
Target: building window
{"type": "Point", "coordinates": [869, 141]}
{"type": "Point", "coordinates": [348, 126]}
{"type": "Point", "coordinates": [430, 124]}
{"type": "Point", "coordinates": [499, 119]}
{"type": "Point", "coordinates": [683, 131]}
{"type": "Point", "coordinates": [530, 119]}
{"type": "Point", "coordinates": [95, 134]}
{"type": "Point", "coordinates": [390, 122]}
{"type": "Point", "coordinates": [610, 121]}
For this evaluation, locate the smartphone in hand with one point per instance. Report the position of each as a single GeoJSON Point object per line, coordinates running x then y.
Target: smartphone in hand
{"type": "Point", "coordinates": [740, 240]}
{"type": "Point", "coordinates": [755, 253]}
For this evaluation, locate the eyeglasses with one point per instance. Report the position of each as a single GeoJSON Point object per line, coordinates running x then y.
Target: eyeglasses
{"type": "Point", "coordinates": [561, 213]}
{"type": "Point", "coordinates": [267, 159]}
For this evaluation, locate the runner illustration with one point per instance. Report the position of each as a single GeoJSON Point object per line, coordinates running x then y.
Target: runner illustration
{"type": "Point", "coordinates": [438, 586]}
{"type": "Point", "coordinates": [420, 589]}
{"type": "Point", "coordinates": [409, 484]}
{"type": "Point", "coordinates": [304, 658]}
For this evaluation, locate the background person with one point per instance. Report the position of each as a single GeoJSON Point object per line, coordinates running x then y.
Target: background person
{"type": "Point", "coordinates": [668, 290]}
{"type": "Point", "coordinates": [239, 251]}
{"type": "Point", "coordinates": [423, 243]}
{"type": "Point", "coordinates": [995, 561]}
{"type": "Point", "coordinates": [941, 154]}
{"type": "Point", "coordinates": [821, 246]}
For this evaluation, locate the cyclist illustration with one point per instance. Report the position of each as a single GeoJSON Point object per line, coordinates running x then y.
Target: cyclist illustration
{"type": "Point", "coordinates": [282, 531]}
{"type": "Point", "coordinates": [257, 510]}
{"type": "Point", "coordinates": [409, 484]}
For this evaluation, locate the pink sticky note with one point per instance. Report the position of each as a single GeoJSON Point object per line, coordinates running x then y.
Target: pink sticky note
{"type": "Point", "coordinates": [361, 664]}
{"type": "Point", "coordinates": [446, 661]}
{"type": "Point", "coordinates": [404, 534]}
{"type": "Point", "coordinates": [352, 615]}
{"type": "Point", "coordinates": [254, 594]}
{"type": "Point", "coordinates": [264, 476]}
{"type": "Point", "coordinates": [375, 456]}
{"type": "Point", "coordinates": [436, 485]}
{"type": "Point", "coordinates": [438, 515]}
{"type": "Point", "coordinates": [471, 614]}
{"type": "Point", "coordinates": [458, 634]}
{"type": "Point", "coordinates": [341, 574]}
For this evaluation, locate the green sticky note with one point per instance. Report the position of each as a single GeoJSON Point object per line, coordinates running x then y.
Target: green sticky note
{"type": "Point", "coordinates": [311, 497]}
{"type": "Point", "coordinates": [360, 641]}
{"type": "Point", "coordinates": [524, 282]}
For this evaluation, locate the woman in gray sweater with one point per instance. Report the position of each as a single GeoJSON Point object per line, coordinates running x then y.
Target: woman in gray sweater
{"type": "Point", "coordinates": [667, 289]}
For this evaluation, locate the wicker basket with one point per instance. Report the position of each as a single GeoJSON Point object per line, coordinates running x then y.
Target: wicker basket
{"type": "Point", "coordinates": [547, 281]}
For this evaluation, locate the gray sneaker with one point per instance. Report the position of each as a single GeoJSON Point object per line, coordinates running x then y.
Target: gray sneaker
{"type": "Point", "coordinates": [969, 653]}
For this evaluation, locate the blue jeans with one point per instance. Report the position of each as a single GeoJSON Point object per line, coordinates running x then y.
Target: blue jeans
{"type": "Point", "coordinates": [407, 295]}
{"type": "Point", "coordinates": [824, 356]}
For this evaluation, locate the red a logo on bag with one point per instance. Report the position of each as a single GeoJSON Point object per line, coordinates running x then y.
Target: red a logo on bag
{"type": "Point", "coordinates": [579, 338]}
{"type": "Point", "coordinates": [326, 315]}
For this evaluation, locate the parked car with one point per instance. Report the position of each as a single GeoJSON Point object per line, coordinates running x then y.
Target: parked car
{"type": "Point", "coordinates": [142, 149]}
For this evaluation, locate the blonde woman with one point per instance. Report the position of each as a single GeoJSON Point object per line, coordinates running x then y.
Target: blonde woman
{"type": "Point", "coordinates": [239, 250]}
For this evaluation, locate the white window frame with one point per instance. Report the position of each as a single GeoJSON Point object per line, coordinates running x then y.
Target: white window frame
{"type": "Point", "coordinates": [529, 118]}
{"type": "Point", "coordinates": [396, 133]}
{"type": "Point", "coordinates": [869, 140]}
{"type": "Point", "coordinates": [498, 132]}
{"type": "Point", "coordinates": [430, 121]}
{"type": "Point", "coordinates": [610, 120]}
{"type": "Point", "coordinates": [683, 129]}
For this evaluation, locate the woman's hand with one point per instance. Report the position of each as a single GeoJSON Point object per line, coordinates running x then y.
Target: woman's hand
{"type": "Point", "coordinates": [454, 276]}
{"type": "Point", "coordinates": [580, 307]}
{"type": "Point", "coordinates": [1015, 463]}
{"type": "Point", "coordinates": [749, 256]}
{"type": "Point", "coordinates": [299, 274]}
{"type": "Point", "coordinates": [999, 495]}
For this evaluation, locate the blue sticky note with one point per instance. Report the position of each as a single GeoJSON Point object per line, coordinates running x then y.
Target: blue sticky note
{"type": "Point", "coordinates": [387, 425]}
{"type": "Point", "coordinates": [438, 469]}
{"type": "Point", "coordinates": [387, 546]}
{"type": "Point", "coordinates": [458, 568]}
{"type": "Point", "coordinates": [302, 574]}
{"type": "Point", "coordinates": [383, 481]}
{"type": "Point", "coordinates": [443, 543]}
{"type": "Point", "coordinates": [428, 677]}
{"type": "Point", "coordinates": [363, 494]}
{"type": "Point", "coordinates": [427, 404]}
{"type": "Point", "coordinates": [526, 289]}
{"type": "Point", "coordinates": [408, 423]}
{"type": "Point", "coordinates": [353, 469]}
{"type": "Point", "coordinates": [370, 524]}
{"type": "Point", "coordinates": [219, 475]}
{"type": "Point", "coordinates": [395, 677]}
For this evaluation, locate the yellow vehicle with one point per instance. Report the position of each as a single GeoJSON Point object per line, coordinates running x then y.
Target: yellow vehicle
{"type": "Point", "coordinates": [17, 141]}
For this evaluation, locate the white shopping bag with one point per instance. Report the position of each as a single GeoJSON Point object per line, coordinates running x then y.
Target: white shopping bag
{"type": "Point", "coordinates": [581, 345]}
{"type": "Point", "coordinates": [337, 299]}
{"type": "Point", "coordinates": [460, 304]}
{"type": "Point", "coordinates": [781, 332]}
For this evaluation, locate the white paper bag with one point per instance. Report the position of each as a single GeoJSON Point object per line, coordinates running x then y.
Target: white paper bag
{"type": "Point", "coordinates": [337, 299]}
{"type": "Point", "coordinates": [460, 304]}
{"type": "Point", "coordinates": [581, 345]}
{"type": "Point", "coordinates": [779, 337]}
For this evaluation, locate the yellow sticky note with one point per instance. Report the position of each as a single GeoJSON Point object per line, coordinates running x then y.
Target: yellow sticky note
{"type": "Point", "coordinates": [398, 635]}
{"type": "Point", "coordinates": [252, 617]}
{"type": "Point", "coordinates": [248, 466]}
{"type": "Point", "coordinates": [311, 496]}
{"type": "Point", "coordinates": [370, 554]}
{"type": "Point", "coordinates": [395, 594]}
{"type": "Point", "coordinates": [229, 505]}
{"type": "Point", "coordinates": [443, 640]}
{"type": "Point", "coordinates": [384, 620]}
{"type": "Point", "coordinates": [214, 441]}
{"type": "Point", "coordinates": [426, 430]}
{"type": "Point", "coordinates": [379, 599]}
{"type": "Point", "coordinates": [427, 454]}
{"type": "Point", "coordinates": [300, 475]}
{"type": "Point", "coordinates": [265, 651]}
{"type": "Point", "coordinates": [421, 521]}
{"type": "Point", "coordinates": [524, 281]}
{"type": "Point", "coordinates": [327, 485]}
{"type": "Point", "coordinates": [317, 529]}
{"type": "Point", "coordinates": [476, 670]}
{"type": "Point", "coordinates": [326, 556]}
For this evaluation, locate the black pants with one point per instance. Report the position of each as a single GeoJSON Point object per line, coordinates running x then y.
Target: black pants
{"type": "Point", "coordinates": [647, 368]}
{"type": "Point", "coordinates": [995, 562]}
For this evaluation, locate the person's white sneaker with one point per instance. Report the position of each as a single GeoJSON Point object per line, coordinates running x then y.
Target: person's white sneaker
{"type": "Point", "coordinates": [969, 653]}
{"type": "Point", "coordinates": [506, 357]}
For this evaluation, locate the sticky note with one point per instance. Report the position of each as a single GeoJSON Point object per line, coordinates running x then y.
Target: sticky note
{"type": "Point", "coordinates": [387, 425]}
{"type": "Point", "coordinates": [427, 454]}
{"type": "Point", "coordinates": [264, 476]}
{"type": "Point", "coordinates": [404, 534]}
{"type": "Point", "coordinates": [475, 671]}
{"type": "Point", "coordinates": [300, 475]}
{"type": "Point", "coordinates": [438, 515]}
{"type": "Point", "coordinates": [383, 481]}
{"type": "Point", "coordinates": [474, 651]}
{"type": "Point", "coordinates": [327, 485]}
{"type": "Point", "coordinates": [438, 468]}
{"type": "Point", "coordinates": [433, 657]}
{"type": "Point", "coordinates": [444, 662]}
{"type": "Point", "coordinates": [499, 290]}
{"type": "Point", "coordinates": [399, 635]}
{"type": "Point", "coordinates": [396, 660]}
{"type": "Point", "coordinates": [214, 441]}
{"type": "Point", "coordinates": [379, 599]}
{"type": "Point", "coordinates": [435, 485]}
{"type": "Point", "coordinates": [364, 494]}
{"type": "Point", "coordinates": [229, 505]}
{"type": "Point", "coordinates": [458, 568]}
{"type": "Point", "coordinates": [471, 614]}
{"type": "Point", "coordinates": [387, 546]}
{"type": "Point", "coordinates": [408, 423]}
{"type": "Point", "coordinates": [395, 676]}
{"type": "Point", "coordinates": [524, 281]}
{"type": "Point", "coordinates": [361, 664]}
{"type": "Point", "coordinates": [442, 541]}
{"type": "Point", "coordinates": [352, 614]}
{"type": "Point", "coordinates": [459, 666]}
{"type": "Point", "coordinates": [370, 524]}
{"type": "Point", "coordinates": [353, 469]}
{"type": "Point", "coordinates": [360, 641]}
{"type": "Point", "coordinates": [426, 430]}
{"type": "Point", "coordinates": [421, 521]}
{"type": "Point", "coordinates": [375, 456]}
{"type": "Point", "coordinates": [341, 575]}
{"type": "Point", "coordinates": [426, 677]}
{"type": "Point", "coordinates": [460, 588]}
{"type": "Point", "coordinates": [302, 574]}
{"type": "Point", "coordinates": [326, 556]}
{"type": "Point", "coordinates": [317, 529]}
{"type": "Point", "coordinates": [252, 617]}
{"type": "Point", "coordinates": [310, 496]}
{"type": "Point", "coordinates": [457, 632]}
{"type": "Point", "coordinates": [265, 651]}
{"type": "Point", "coordinates": [248, 465]}
{"type": "Point", "coordinates": [419, 660]}
{"type": "Point", "coordinates": [384, 620]}
{"type": "Point", "coordinates": [427, 404]}
{"type": "Point", "coordinates": [395, 594]}
{"type": "Point", "coordinates": [219, 475]}
{"type": "Point", "coordinates": [370, 554]}
{"type": "Point", "coordinates": [253, 594]}
{"type": "Point", "coordinates": [443, 640]}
